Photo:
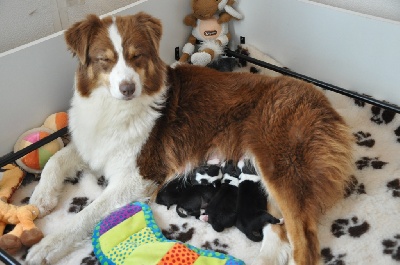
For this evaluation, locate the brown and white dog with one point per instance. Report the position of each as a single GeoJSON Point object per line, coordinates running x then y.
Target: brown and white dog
{"type": "Point", "coordinates": [139, 122]}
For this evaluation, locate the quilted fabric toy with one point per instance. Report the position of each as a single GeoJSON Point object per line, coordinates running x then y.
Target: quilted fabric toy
{"type": "Point", "coordinates": [130, 235]}
{"type": "Point", "coordinates": [34, 161]}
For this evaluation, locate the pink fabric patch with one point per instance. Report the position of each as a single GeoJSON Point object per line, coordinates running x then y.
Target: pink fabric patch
{"type": "Point", "coordinates": [33, 137]}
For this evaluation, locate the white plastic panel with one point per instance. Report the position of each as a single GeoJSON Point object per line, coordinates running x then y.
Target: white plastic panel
{"type": "Point", "coordinates": [74, 10]}
{"type": "Point", "coordinates": [387, 9]}
{"type": "Point", "coordinates": [24, 21]}
{"type": "Point", "coordinates": [346, 49]}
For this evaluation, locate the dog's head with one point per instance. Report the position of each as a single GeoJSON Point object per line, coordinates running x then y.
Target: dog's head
{"type": "Point", "coordinates": [120, 54]}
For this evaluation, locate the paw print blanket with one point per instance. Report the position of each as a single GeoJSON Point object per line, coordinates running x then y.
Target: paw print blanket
{"type": "Point", "coordinates": [363, 228]}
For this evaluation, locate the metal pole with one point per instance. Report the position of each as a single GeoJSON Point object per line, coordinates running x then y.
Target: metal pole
{"type": "Point", "coordinates": [316, 82]}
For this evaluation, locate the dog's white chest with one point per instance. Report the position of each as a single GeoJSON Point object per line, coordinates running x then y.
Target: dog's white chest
{"type": "Point", "coordinates": [109, 132]}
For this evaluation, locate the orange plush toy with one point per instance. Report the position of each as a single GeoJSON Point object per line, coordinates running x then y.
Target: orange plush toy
{"type": "Point", "coordinates": [25, 232]}
{"type": "Point", "coordinates": [209, 19]}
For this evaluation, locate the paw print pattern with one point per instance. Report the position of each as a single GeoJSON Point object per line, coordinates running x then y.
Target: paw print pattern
{"type": "Point", "coordinates": [394, 186]}
{"type": "Point", "coordinates": [102, 182]}
{"type": "Point", "coordinates": [77, 204]}
{"type": "Point", "coordinates": [182, 233]}
{"type": "Point", "coordinates": [381, 115]}
{"type": "Point", "coordinates": [215, 245]}
{"type": "Point", "coordinates": [397, 133]}
{"type": "Point", "coordinates": [25, 200]}
{"type": "Point", "coordinates": [359, 103]}
{"type": "Point", "coordinates": [330, 259]}
{"type": "Point", "coordinates": [354, 187]}
{"type": "Point", "coordinates": [353, 227]}
{"type": "Point", "coordinates": [24, 254]}
{"type": "Point", "coordinates": [29, 178]}
{"type": "Point", "coordinates": [90, 260]}
{"type": "Point", "coordinates": [74, 180]}
{"type": "Point", "coordinates": [364, 139]}
{"type": "Point", "coordinates": [254, 70]}
{"type": "Point", "coordinates": [392, 247]}
{"type": "Point", "coordinates": [366, 162]}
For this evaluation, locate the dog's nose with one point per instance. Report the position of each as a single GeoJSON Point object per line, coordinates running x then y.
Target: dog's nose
{"type": "Point", "coordinates": [127, 89]}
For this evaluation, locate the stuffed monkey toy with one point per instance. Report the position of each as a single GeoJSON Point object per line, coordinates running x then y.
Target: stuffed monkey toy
{"type": "Point", "coordinates": [25, 233]}
{"type": "Point", "coordinates": [209, 20]}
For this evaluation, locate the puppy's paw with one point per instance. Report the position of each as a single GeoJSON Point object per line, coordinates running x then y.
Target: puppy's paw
{"type": "Point", "coordinates": [45, 199]}
{"type": "Point", "coordinates": [49, 250]}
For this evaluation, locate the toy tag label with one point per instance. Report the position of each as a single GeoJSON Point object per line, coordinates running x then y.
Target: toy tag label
{"type": "Point", "coordinates": [209, 28]}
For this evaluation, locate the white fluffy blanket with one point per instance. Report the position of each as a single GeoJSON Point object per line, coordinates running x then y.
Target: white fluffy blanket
{"type": "Point", "coordinates": [363, 228]}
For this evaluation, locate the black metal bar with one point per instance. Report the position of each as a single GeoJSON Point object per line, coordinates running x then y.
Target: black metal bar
{"type": "Point", "coordinates": [7, 259]}
{"type": "Point", "coordinates": [176, 53]}
{"type": "Point", "coordinates": [319, 83]}
{"type": "Point", "coordinates": [14, 156]}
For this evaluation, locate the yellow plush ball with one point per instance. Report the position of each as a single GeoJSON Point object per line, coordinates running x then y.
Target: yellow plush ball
{"type": "Point", "coordinates": [35, 161]}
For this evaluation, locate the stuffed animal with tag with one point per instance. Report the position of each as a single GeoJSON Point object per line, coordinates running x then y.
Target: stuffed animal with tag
{"type": "Point", "coordinates": [209, 21]}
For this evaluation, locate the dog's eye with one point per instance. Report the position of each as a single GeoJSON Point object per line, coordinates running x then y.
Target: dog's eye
{"type": "Point", "coordinates": [136, 56]}
{"type": "Point", "coordinates": [103, 59]}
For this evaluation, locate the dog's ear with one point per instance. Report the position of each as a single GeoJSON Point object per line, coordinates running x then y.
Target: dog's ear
{"type": "Point", "coordinates": [78, 37]}
{"type": "Point", "coordinates": [153, 26]}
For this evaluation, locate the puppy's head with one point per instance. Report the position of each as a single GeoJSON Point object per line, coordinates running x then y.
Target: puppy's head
{"type": "Point", "coordinates": [120, 54]}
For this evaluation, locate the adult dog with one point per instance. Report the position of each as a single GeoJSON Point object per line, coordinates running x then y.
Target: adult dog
{"type": "Point", "coordinates": [139, 122]}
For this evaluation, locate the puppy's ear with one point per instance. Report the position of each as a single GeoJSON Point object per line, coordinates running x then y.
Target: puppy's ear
{"type": "Point", "coordinates": [153, 26]}
{"type": "Point", "coordinates": [78, 37]}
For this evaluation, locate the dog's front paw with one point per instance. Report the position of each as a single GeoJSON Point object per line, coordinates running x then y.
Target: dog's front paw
{"type": "Point", "coordinates": [49, 250]}
{"type": "Point", "coordinates": [45, 199]}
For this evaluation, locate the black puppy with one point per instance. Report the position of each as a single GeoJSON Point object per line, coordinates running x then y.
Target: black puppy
{"type": "Point", "coordinates": [221, 210]}
{"type": "Point", "coordinates": [170, 193]}
{"type": "Point", "coordinates": [205, 181]}
{"type": "Point", "coordinates": [191, 193]}
{"type": "Point", "coordinates": [252, 213]}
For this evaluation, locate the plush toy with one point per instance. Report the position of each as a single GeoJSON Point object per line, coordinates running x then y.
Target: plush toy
{"type": "Point", "coordinates": [11, 177]}
{"type": "Point", "coordinates": [25, 232]}
{"type": "Point", "coordinates": [209, 20]}
{"type": "Point", "coordinates": [34, 161]}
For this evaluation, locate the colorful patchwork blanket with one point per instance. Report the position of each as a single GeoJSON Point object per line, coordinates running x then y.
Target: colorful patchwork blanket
{"type": "Point", "coordinates": [363, 228]}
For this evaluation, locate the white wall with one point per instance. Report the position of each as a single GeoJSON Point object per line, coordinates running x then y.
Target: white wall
{"type": "Point", "coordinates": [356, 52]}
{"type": "Point", "coordinates": [37, 79]}
{"type": "Point", "coordinates": [23, 21]}
{"type": "Point", "coordinates": [387, 9]}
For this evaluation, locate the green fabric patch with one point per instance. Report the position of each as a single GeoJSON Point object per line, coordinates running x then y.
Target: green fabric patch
{"type": "Point", "coordinates": [202, 260]}
{"type": "Point", "coordinates": [149, 254]}
{"type": "Point", "coordinates": [121, 232]}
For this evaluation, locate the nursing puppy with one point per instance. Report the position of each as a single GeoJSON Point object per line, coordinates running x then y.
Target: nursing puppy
{"type": "Point", "coordinates": [205, 182]}
{"type": "Point", "coordinates": [251, 209]}
{"type": "Point", "coordinates": [191, 193]}
{"type": "Point", "coordinates": [171, 192]}
{"type": "Point", "coordinates": [138, 122]}
{"type": "Point", "coordinates": [221, 210]}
